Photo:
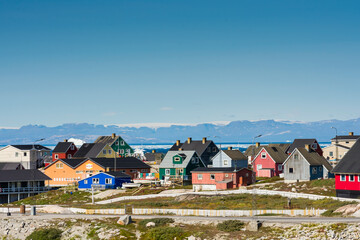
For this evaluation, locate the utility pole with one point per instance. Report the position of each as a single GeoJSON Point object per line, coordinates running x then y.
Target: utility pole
{"type": "Point", "coordinates": [254, 207]}
{"type": "Point", "coordinates": [336, 145]}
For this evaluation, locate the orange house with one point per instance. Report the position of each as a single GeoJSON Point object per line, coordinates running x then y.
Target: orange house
{"type": "Point", "coordinates": [68, 171]}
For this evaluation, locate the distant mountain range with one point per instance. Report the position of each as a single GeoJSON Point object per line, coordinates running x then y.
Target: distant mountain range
{"type": "Point", "coordinates": [236, 131]}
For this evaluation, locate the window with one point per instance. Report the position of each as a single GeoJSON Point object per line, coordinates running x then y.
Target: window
{"type": "Point", "coordinates": [314, 170]}
{"type": "Point", "coordinates": [95, 180]}
{"type": "Point", "coordinates": [226, 175]}
{"type": "Point", "coordinates": [214, 149]}
{"type": "Point", "coordinates": [199, 176]}
{"type": "Point", "coordinates": [314, 146]}
{"type": "Point", "coordinates": [60, 165]}
{"type": "Point", "coordinates": [358, 178]}
{"type": "Point", "coordinates": [351, 178]}
{"type": "Point", "coordinates": [342, 177]}
{"type": "Point", "coordinates": [122, 143]}
{"type": "Point", "coordinates": [212, 176]}
{"type": "Point", "coordinates": [263, 155]}
{"type": "Point", "coordinates": [291, 170]}
{"type": "Point", "coordinates": [121, 151]}
{"type": "Point", "coordinates": [167, 171]}
{"type": "Point", "coordinates": [78, 172]}
{"type": "Point", "coordinates": [296, 157]}
{"type": "Point", "coordinates": [177, 159]}
{"type": "Point", "coordinates": [16, 154]}
{"type": "Point", "coordinates": [331, 154]}
{"type": "Point", "coordinates": [225, 162]}
{"type": "Point", "coordinates": [259, 166]}
{"type": "Point", "coordinates": [108, 180]}
{"type": "Point", "coordinates": [320, 169]}
{"type": "Point", "coordinates": [128, 150]}
{"type": "Point", "coordinates": [109, 151]}
{"type": "Point", "coordinates": [104, 151]}
{"type": "Point", "coordinates": [25, 154]}
{"type": "Point", "coordinates": [56, 156]}
{"type": "Point", "coordinates": [280, 167]}
{"type": "Point", "coordinates": [133, 171]}
{"type": "Point", "coordinates": [69, 156]}
{"type": "Point", "coordinates": [85, 182]}
{"type": "Point", "coordinates": [143, 170]}
{"type": "Point", "coordinates": [72, 147]}
{"type": "Point", "coordinates": [209, 149]}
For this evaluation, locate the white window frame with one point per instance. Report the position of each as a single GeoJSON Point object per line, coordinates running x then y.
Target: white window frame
{"type": "Point", "coordinates": [122, 143]}
{"type": "Point", "coordinates": [72, 147]}
{"type": "Point", "coordinates": [314, 170]}
{"type": "Point", "coordinates": [263, 155]}
{"type": "Point", "coordinates": [212, 176]}
{"type": "Point", "coordinates": [69, 156]}
{"type": "Point", "coordinates": [296, 156]}
{"type": "Point", "coordinates": [167, 171]}
{"type": "Point", "coordinates": [226, 162]}
{"type": "Point", "coordinates": [59, 165]}
{"type": "Point", "coordinates": [314, 146]}
{"type": "Point", "coordinates": [177, 159]}
{"type": "Point", "coordinates": [199, 176]}
{"type": "Point", "coordinates": [121, 151]}
{"type": "Point", "coordinates": [258, 166]}
{"type": "Point", "coordinates": [353, 178]}
{"type": "Point", "coordinates": [280, 167]}
{"type": "Point", "coordinates": [85, 181]}
{"type": "Point", "coordinates": [358, 178]}
{"type": "Point", "coordinates": [109, 151]}
{"type": "Point", "coordinates": [331, 154]}
{"type": "Point", "coordinates": [108, 180]}
{"type": "Point", "coordinates": [104, 151]}
{"type": "Point", "coordinates": [95, 180]}
{"type": "Point", "coordinates": [56, 156]}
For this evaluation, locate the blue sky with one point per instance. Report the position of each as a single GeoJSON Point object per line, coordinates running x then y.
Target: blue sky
{"type": "Point", "coordinates": [107, 62]}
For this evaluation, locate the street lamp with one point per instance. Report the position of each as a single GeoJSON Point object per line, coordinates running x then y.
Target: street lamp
{"type": "Point", "coordinates": [254, 145]}
{"type": "Point", "coordinates": [336, 144]}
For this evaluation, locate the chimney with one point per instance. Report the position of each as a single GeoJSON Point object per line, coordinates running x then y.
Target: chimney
{"type": "Point", "coordinates": [189, 140]}
{"type": "Point", "coordinates": [113, 135]}
{"type": "Point", "coordinates": [177, 142]}
{"type": "Point", "coordinates": [307, 147]}
{"type": "Point", "coordinates": [65, 140]}
{"type": "Point", "coordinates": [153, 151]}
{"type": "Point", "coordinates": [229, 148]}
{"type": "Point", "coordinates": [108, 169]}
{"type": "Point", "coordinates": [204, 140]}
{"type": "Point", "coordinates": [351, 133]}
{"type": "Point", "coordinates": [257, 144]}
{"type": "Point", "coordinates": [180, 149]}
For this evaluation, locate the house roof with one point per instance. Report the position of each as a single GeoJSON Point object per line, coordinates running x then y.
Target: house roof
{"type": "Point", "coordinates": [83, 150]}
{"type": "Point", "coordinates": [106, 139]}
{"type": "Point", "coordinates": [218, 169]}
{"type": "Point", "coordinates": [127, 162]}
{"type": "Point", "coordinates": [282, 146]}
{"type": "Point", "coordinates": [167, 162]}
{"type": "Point", "coordinates": [346, 137]}
{"type": "Point", "coordinates": [350, 163]}
{"type": "Point", "coordinates": [30, 147]}
{"type": "Point", "coordinates": [252, 149]}
{"type": "Point", "coordinates": [96, 149]}
{"type": "Point", "coordinates": [62, 147]}
{"type": "Point", "coordinates": [338, 145]}
{"type": "Point", "coordinates": [235, 154]}
{"type": "Point", "coordinates": [300, 143]}
{"type": "Point", "coordinates": [149, 156]}
{"type": "Point", "coordinates": [313, 158]}
{"type": "Point", "coordinates": [22, 175]}
{"type": "Point", "coordinates": [194, 145]}
{"type": "Point", "coordinates": [276, 153]}
{"type": "Point", "coordinates": [118, 174]}
{"type": "Point", "coordinates": [9, 165]}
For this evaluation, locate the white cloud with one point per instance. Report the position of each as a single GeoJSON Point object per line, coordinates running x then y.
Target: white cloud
{"type": "Point", "coordinates": [166, 108]}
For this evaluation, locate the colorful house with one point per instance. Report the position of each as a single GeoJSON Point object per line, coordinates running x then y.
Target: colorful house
{"type": "Point", "coordinates": [230, 158]}
{"type": "Point", "coordinates": [300, 143]}
{"type": "Point", "coordinates": [205, 149]}
{"type": "Point", "coordinates": [64, 150]}
{"type": "Point", "coordinates": [105, 180]}
{"type": "Point", "coordinates": [69, 171]}
{"type": "Point", "coordinates": [221, 178]}
{"type": "Point", "coordinates": [347, 173]}
{"type": "Point", "coordinates": [177, 165]}
{"type": "Point", "coordinates": [305, 164]}
{"type": "Point", "coordinates": [105, 147]}
{"type": "Point", "coordinates": [268, 161]}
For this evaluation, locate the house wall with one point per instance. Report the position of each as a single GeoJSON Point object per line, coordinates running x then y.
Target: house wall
{"type": "Point", "coordinates": [332, 149]}
{"type": "Point", "coordinates": [319, 172]}
{"type": "Point", "coordinates": [120, 145]}
{"type": "Point", "coordinates": [8, 154]}
{"type": "Point", "coordinates": [268, 163]}
{"type": "Point", "coordinates": [347, 185]}
{"type": "Point", "coordinates": [301, 169]}
{"type": "Point", "coordinates": [65, 154]}
{"type": "Point", "coordinates": [133, 172]}
{"type": "Point", "coordinates": [221, 157]}
{"type": "Point", "coordinates": [107, 152]}
{"type": "Point", "coordinates": [209, 153]}
{"type": "Point", "coordinates": [115, 182]}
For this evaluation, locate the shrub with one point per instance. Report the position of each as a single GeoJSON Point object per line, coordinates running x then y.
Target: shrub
{"type": "Point", "coordinates": [165, 233]}
{"type": "Point", "coordinates": [158, 221]}
{"type": "Point", "coordinates": [45, 234]}
{"type": "Point", "coordinates": [230, 226]}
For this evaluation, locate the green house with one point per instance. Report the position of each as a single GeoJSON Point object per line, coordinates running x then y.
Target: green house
{"type": "Point", "coordinates": [178, 165]}
{"type": "Point", "coordinates": [113, 145]}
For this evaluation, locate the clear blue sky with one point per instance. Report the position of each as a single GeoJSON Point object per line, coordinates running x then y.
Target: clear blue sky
{"type": "Point", "coordinates": [108, 62]}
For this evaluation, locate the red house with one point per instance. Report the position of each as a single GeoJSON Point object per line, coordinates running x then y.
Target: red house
{"type": "Point", "coordinates": [64, 150]}
{"type": "Point", "coordinates": [268, 161]}
{"type": "Point", "coordinates": [221, 178]}
{"type": "Point", "coordinates": [347, 173]}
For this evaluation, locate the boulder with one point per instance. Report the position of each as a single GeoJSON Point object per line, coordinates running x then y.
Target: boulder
{"type": "Point", "coordinates": [253, 226]}
{"type": "Point", "coordinates": [150, 224]}
{"type": "Point", "coordinates": [124, 220]}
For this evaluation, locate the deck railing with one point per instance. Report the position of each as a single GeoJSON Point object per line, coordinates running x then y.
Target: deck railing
{"type": "Point", "coordinates": [24, 189]}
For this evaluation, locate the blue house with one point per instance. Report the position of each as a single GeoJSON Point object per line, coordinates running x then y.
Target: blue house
{"type": "Point", "coordinates": [105, 180]}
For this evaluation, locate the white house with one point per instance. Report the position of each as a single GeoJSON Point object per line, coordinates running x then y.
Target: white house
{"type": "Point", "coordinates": [230, 158]}
{"type": "Point", "coordinates": [30, 156]}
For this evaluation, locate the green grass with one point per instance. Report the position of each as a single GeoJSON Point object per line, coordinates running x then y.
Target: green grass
{"type": "Point", "coordinates": [260, 180]}
{"type": "Point", "coordinates": [45, 234]}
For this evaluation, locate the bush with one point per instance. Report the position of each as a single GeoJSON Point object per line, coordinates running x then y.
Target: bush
{"type": "Point", "coordinates": [165, 233]}
{"type": "Point", "coordinates": [230, 226]}
{"type": "Point", "coordinates": [158, 221]}
{"type": "Point", "coordinates": [45, 234]}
